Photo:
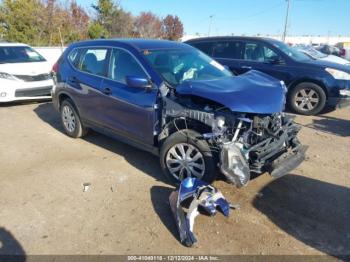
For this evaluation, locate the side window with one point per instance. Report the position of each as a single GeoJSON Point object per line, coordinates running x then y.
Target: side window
{"type": "Point", "coordinates": [259, 52]}
{"type": "Point", "coordinates": [228, 49]}
{"type": "Point", "coordinates": [73, 57]}
{"type": "Point", "coordinates": [205, 47]}
{"type": "Point", "coordinates": [124, 64]}
{"type": "Point", "coordinates": [94, 61]}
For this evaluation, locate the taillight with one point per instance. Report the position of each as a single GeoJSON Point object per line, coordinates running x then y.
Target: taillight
{"type": "Point", "coordinates": [55, 67]}
{"type": "Point", "coordinates": [342, 52]}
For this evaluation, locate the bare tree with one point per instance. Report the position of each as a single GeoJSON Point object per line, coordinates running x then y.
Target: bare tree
{"type": "Point", "coordinates": [172, 27]}
{"type": "Point", "coordinates": [148, 25]}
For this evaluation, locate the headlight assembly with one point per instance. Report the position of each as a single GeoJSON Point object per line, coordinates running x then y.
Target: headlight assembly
{"type": "Point", "coordinates": [345, 92]}
{"type": "Point", "coordinates": [7, 76]}
{"type": "Point", "coordinates": [338, 74]}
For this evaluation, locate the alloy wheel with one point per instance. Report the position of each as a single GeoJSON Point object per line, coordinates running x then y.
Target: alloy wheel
{"type": "Point", "coordinates": [184, 160]}
{"type": "Point", "coordinates": [306, 99]}
{"type": "Point", "coordinates": [68, 118]}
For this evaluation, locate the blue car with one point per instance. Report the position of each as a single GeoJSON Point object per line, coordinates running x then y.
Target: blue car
{"type": "Point", "coordinates": [312, 84]}
{"type": "Point", "coordinates": [174, 101]}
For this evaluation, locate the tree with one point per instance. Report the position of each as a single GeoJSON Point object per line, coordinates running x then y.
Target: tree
{"type": "Point", "coordinates": [96, 30]}
{"type": "Point", "coordinates": [42, 22]}
{"type": "Point", "coordinates": [19, 20]}
{"type": "Point", "coordinates": [148, 25]}
{"type": "Point", "coordinates": [111, 20]}
{"type": "Point", "coordinates": [172, 28]}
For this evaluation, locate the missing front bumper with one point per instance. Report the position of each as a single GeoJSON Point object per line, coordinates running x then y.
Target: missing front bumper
{"type": "Point", "coordinates": [288, 162]}
{"type": "Point", "coordinates": [339, 102]}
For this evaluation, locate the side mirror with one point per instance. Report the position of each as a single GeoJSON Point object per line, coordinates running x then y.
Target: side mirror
{"type": "Point", "coordinates": [138, 82]}
{"type": "Point", "coordinates": [275, 61]}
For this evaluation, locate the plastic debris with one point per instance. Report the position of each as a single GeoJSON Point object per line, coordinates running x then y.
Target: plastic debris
{"type": "Point", "coordinates": [86, 186]}
{"type": "Point", "coordinates": [196, 194]}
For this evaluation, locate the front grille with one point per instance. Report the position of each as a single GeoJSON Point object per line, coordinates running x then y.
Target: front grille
{"type": "Point", "coordinates": [28, 78]}
{"type": "Point", "coordinates": [32, 92]}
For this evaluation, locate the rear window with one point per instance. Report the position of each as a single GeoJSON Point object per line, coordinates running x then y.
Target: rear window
{"type": "Point", "coordinates": [94, 61]}
{"type": "Point", "coordinates": [19, 54]}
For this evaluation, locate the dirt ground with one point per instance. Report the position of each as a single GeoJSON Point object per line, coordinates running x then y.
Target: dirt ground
{"type": "Point", "coordinates": [125, 211]}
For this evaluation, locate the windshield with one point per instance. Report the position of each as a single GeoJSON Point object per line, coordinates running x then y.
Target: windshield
{"type": "Point", "coordinates": [291, 52]}
{"type": "Point", "coordinates": [178, 65]}
{"type": "Point", "coordinates": [19, 54]}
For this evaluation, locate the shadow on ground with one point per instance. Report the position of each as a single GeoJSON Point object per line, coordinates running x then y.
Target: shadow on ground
{"type": "Point", "coordinates": [10, 248]}
{"type": "Point", "coordinates": [314, 212]}
{"type": "Point", "coordinates": [144, 161]}
{"type": "Point", "coordinates": [331, 125]}
{"type": "Point", "coordinates": [160, 201]}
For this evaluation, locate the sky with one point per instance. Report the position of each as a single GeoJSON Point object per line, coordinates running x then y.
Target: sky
{"type": "Point", "coordinates": [249, 17]}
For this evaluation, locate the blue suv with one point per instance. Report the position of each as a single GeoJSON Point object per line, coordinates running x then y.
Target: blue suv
{"type": "Point", "coordinates": [312, 84]}
{"type": "Point", "coordinates": [174, 101]}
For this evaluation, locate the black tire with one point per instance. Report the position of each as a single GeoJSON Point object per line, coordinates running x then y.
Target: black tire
{"type": "Point", "coordinates": [295, 97]}
{"type": "Point", "coordinates": [197, 142]}
{"type": "Point", "coordinates": [79, 130]}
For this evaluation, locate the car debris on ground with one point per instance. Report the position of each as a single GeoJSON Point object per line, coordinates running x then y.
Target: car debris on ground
{"type": "Point", "coordinates": [196, 195]}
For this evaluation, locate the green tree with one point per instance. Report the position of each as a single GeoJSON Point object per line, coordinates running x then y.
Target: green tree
{"type": "Point", "coordinates": [96, 30]}
{"type": "Point", "coordinates": [112, 19]}
{"type": "Point", "coordinates": [19, 21]}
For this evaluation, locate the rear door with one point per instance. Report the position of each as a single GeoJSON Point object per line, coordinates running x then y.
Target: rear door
{"type": "Point", "coordinates": [87, 82]}
{"type": "Point", "coordinates": [128, 110]}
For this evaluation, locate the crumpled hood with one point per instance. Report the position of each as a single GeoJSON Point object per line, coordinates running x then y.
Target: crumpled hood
{"type": "Point", "coordinates": [252, 92]}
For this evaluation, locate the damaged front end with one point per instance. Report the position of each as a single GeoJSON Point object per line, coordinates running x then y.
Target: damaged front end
{"type": "Point", "coordinates": [261, 144]}
{"type": "Point", "coordinates": [256, 139]}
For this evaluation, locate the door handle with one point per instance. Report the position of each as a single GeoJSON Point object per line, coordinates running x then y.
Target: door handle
{"type": "Point", "coordinates": [246, 67]}
{"type": "Point", "coordinates": [107, 91]}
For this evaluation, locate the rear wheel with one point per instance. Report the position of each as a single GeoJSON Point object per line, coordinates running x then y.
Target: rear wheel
{"type": "Point", "coordinates": [186, 154]}
{"type": "Point", "coordinates": [307, 99]}
{"type": "Point", "coordinates": [71, 120]}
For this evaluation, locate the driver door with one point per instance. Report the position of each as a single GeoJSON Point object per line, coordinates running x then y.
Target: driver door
{"type": "Point", "coordinates": [128, 111]}
{"type": "Point", "coordinates": [261, 57]}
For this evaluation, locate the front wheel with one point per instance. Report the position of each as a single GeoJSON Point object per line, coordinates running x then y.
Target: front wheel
{"type": "Point", "coordinates": [186, 154]}
{"type": "Point", "coordinates": [307, 99]}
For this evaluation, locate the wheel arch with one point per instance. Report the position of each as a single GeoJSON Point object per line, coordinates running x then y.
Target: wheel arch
{"type": "Point", "coordinates": [295, 83]}
{"type": "Point", "coordinates": [182, 123]}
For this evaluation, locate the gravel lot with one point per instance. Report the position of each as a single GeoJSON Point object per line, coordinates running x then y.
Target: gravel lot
{"type": "Point", "coordinates": [45, 211]}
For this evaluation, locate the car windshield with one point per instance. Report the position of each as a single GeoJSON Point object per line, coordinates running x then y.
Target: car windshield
{"type": "Point", "coordinates": [19, 54]}
{"type": "Point", "coordinates": [178, 65]}
{"type": "Point", "coordinates": [291, 52]}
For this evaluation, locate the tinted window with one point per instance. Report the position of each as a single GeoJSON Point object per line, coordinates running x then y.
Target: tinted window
{"type": "Point", "coordinates": [259, 52]}
{"type": "Point", "coordinates": [94, 61]}
{"type": "Point", "coordinates": [228, 49]}
{"type": "Point", "coordinates": [19, 54]}
{"type": "Point", "coordinates": [205, 47]}
{"type": "Point", "coordinates": [124, 64]}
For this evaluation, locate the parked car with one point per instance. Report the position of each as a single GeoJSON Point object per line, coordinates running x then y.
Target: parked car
{"type": "Point", "coordinates": [170, 99]}
{"type": "Point", "coordinates": [311, 83]}
{"type": "Point", "coordinates": [315, 54]}
{"type": "Point", "coordinates": [24, 73]}
{"type": "Point", "coordinates": [344, 49]}
{"type": "Point", "coordinates": [330, 50]}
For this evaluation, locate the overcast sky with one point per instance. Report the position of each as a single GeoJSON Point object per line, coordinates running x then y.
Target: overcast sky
{"type": "Point", "coordinates": [307, 17]}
